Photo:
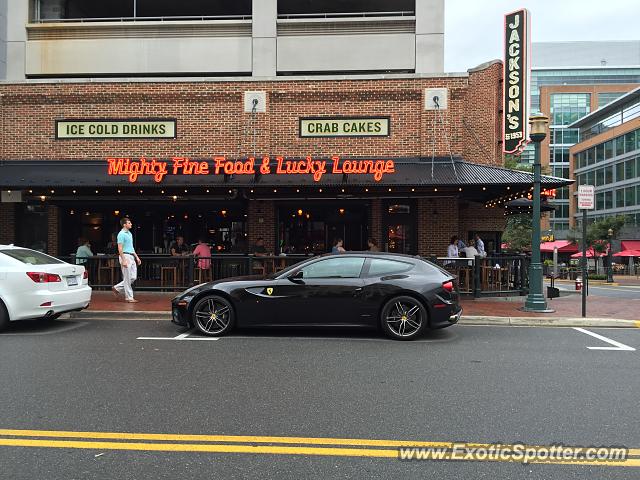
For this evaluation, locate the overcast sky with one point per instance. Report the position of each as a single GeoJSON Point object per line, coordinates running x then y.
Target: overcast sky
{"type": "Point", "coordinates": [473, 28]}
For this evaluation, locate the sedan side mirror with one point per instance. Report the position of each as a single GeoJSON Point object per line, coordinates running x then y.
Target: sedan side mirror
{"type": "Point", "coordinates": [296, 276]}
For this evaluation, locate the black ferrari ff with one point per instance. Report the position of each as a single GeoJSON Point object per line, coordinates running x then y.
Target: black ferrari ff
{"type": "Point", "coordinates": [401, 294]}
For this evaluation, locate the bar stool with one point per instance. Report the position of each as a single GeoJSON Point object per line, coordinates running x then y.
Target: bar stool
{"type": "Point", "coordinates": [168, 275]}
{"type": "Point", "coordinates": [108, 267]}
{"type": "Point", "coordinates": [202, 275]}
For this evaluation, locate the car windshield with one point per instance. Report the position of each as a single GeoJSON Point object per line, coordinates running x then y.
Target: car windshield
{"type": "Point", "coordinates": [30, 257]}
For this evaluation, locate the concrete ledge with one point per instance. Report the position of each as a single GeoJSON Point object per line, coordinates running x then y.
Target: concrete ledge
{"type": "Point", "coordinates": [119, 315]}
{"type": "Point", "coordinates": [549, 322]}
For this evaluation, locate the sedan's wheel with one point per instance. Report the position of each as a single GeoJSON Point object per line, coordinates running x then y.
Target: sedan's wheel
{"type": "Point", "coordinates": [4, 317]}
{"type": "Point", "coordinates": [403, 318]}
{"type": "Point", "coordinates": [213, 316]}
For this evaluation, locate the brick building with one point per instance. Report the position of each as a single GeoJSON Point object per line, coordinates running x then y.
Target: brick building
{"type": "Point", "coordinates": [409, 156]}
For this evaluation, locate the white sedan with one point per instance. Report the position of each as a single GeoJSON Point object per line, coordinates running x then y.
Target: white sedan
{"type": "Point", "coordinates": [34, 285]}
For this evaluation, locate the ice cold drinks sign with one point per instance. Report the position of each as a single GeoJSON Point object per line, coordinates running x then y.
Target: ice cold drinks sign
{"type": "Point", "coordinates": [90, 129]}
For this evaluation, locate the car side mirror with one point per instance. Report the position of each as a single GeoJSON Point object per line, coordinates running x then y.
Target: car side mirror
{"type": "Point", "coordinates": [296, 276]}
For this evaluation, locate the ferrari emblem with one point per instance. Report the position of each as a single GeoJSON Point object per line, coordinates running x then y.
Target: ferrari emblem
{"type": "Point", "coordinates": [269, 291]}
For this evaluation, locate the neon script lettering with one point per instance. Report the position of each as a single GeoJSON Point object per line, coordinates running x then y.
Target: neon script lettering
{"type": "Point", "coordinates": [158, 169]}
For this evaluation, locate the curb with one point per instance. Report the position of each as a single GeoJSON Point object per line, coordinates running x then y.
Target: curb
{"type": "Point", "coordinates": [464, 320]}
{"type": "Point", "coordinates": [549, 322]}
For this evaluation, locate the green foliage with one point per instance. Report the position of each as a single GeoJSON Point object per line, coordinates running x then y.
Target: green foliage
{"type": "Point", "coordinates": [593, 276]}
{"type": "Point", "coordinates": [598, 233]}
{"type": "Point", "coordinates": [517, 233]}
{"type": "Point", "coordinates": [511, 162]}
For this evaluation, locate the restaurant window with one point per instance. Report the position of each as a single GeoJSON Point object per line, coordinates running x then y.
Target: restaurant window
{"type": "Point", "coordinates": [305, 228]}
{"type": "Point", "coordinates": [400, 228]}
{"type": "Point", "coordinates": [32, 227]}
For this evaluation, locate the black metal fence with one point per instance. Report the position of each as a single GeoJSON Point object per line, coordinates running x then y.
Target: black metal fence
{"type": "Point", "coordinates": [495, 276]}
{"type": "Point", "coordinates": [168, 273]}
{"type": "Point", "coordinates": [480, 276]}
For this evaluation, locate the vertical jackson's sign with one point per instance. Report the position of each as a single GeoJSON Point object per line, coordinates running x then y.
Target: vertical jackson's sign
{"type": "Point", "coordinates": [516, 82]}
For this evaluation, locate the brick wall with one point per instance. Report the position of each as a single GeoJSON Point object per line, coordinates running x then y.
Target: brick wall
{"type": "Point", "coordinates": [261, 223]}
{"type": "Point", "coordinates": [375, 222]}
{"type": "Point", "coordinates": [210, 120]}
{"type": "Point", "coordinates": [53, 222]}
{"type": "Point", "coordinates": [474, 217]}
{"type": "Point", "coordinates": [7, 223]}
{"type": "Point", "coordinates": [437, 223]}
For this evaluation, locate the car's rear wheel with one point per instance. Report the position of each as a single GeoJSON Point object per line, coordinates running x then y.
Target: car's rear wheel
{"type": "Point", "coordinates": [4, 317]}
{"type": "Point", "coordinates": [213, 315]}
{"type": "Point", "coordinates": [403, 318]}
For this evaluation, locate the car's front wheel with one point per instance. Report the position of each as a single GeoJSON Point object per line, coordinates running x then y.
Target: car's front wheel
{"type": "Point", "coordinates": [213, 315]}
{"type": "Point", "coordinates": [403, 318]}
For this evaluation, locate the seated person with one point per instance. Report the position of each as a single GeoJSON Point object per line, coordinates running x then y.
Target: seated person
{"type": "Point", "coordinates": [178, 247]}
{"type": "Point", "coordinates": [203, 251]}
{"type": "Point", "coordinates": [84, 251]}
{"type": "Point", "coordinates": [259, 250]}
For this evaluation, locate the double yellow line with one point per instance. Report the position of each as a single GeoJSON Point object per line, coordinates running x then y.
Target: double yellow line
{"type": "Point", "coordinates": [340, 447]}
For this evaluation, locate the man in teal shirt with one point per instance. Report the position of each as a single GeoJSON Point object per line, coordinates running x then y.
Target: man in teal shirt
{"type": "Point", "coordinates": [129, 262]}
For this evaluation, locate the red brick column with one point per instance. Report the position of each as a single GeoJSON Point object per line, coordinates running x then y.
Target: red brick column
{"type": "Point", "coordinates": [262, 223]}
{"type": "Point", "coordinates": [53, 222]}
{"type": "Point", "coordinates": [375, 222]}
{"type": "Point", "coordinates": [7, 223]}
{"type": "Point", "coordinates": [437, 223]}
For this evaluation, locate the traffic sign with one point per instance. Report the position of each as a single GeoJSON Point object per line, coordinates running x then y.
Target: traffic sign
{"type": "Point", "coordinates": [586, 194]}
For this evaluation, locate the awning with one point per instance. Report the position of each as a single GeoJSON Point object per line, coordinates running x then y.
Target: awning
{"type": "Point", "coordinates": [487, 180]}
{"type": "Point", "coordinates": [630, 244]}
{"type": "Point", "coordinates": [590, 254]}
{"type": "Point", "coordinates": [563, 246]}
{"type": "Point", "coordinates": [627, 253]}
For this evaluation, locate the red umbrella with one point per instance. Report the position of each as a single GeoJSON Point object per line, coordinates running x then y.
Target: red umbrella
{"type": "Point", "coordinates": [627, 253]}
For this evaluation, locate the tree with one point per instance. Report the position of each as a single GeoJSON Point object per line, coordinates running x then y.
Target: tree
{"type": "Point", "coordinates": [598, 234]}
{"type": "Point", "coordinates": [517, 233]}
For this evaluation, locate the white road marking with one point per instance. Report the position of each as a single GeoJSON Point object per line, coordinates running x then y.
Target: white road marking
{"type": "Point", "coordinates": [621, 347]}
{"type": "Point", "coordinates": [182, 336]}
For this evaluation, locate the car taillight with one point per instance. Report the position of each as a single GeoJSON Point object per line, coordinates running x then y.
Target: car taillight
{"type": "Point", "coordinates": [85, 275]}
{"type": "Point", "coordinates": [448, 286]}
{"type": "Point", "coordinates": [41, 277]}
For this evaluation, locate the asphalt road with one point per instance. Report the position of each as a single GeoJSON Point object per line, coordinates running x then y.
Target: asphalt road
{"type": "Point", "coordinates": [538, 386]}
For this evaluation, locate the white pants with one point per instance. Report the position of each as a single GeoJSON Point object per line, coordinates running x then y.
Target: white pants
{"type": "Point", "coordinates": [129, 275]}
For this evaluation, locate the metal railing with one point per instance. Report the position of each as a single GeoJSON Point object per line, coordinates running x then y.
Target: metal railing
{"type": "Point", "coordinates": [495, 276]}
{"type": "Point", "coordinates": [176, 273]}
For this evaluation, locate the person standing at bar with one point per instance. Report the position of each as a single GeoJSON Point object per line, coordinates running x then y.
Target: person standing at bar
{"type": "Point", "coordinates": [128, 262]}
{"type": "Point", "coordinates": [480, 246]}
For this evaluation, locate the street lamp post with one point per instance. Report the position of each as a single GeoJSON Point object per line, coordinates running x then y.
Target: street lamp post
{"type": "Point", "coordinates": [609, 258]}
{"type": "Point", "coordinates": [535, 300]}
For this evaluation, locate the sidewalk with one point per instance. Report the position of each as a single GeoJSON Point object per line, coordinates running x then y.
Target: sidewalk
{"type": "Point", "coordinates": [502, 310]}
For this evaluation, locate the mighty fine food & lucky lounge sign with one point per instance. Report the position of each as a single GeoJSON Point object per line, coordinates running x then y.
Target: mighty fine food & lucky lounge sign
{"type": "Point", "coordinates": [516, 82]}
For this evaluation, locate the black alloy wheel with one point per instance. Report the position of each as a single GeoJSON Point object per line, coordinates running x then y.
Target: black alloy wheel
{"type": "Point", "coordinates": [213, 316]}
{"type": "Point", "coordinates": [403, 318]}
